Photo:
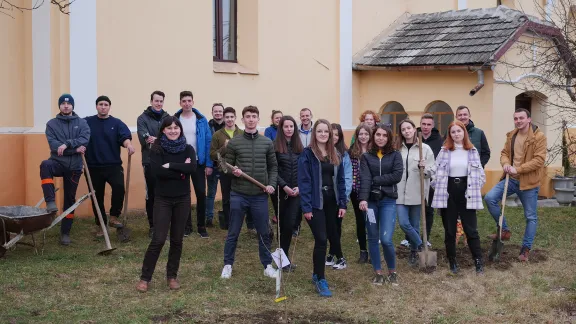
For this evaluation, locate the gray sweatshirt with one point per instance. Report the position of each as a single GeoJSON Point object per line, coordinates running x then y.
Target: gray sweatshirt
{"type": "Point", "coordinates": [72, 131]}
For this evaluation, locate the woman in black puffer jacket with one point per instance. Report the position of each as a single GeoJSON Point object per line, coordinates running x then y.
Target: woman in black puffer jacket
{"type": "Point", "coordinates": [288, 148]}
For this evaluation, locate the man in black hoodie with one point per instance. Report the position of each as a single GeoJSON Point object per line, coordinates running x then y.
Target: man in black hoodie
{"type": "Point", "coordinates": [215, 124]}
{"type": "Point", "coordinates": [148, 125]}
{"type": "Point", "coordinates": [67, 135]}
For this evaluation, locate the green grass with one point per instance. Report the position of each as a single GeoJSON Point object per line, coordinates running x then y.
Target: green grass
{"type": "Point", "coordinates": [75, 285]}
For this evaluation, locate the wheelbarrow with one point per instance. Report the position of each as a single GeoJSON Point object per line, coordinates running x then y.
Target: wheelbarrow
{"type": "Point", "coordinates": [27, 220]}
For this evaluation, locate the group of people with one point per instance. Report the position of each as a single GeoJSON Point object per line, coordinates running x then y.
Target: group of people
{"type": "Point", "coordinates": [307, 170]}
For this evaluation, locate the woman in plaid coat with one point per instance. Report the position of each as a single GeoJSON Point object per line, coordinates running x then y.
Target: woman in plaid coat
{"type": "Point", "coordinates": [459, 179]}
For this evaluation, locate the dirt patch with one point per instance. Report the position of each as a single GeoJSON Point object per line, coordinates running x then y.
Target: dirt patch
{"type": "Point", "coordinates": [265, 317]}
{"type": "Point", "coordinates": [567, 309]}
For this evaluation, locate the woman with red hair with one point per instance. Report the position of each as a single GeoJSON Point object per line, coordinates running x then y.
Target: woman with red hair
{"type": "Point", "coordinates": [459, 179]}
{"type": "Point", "coordinates": [368, 118]}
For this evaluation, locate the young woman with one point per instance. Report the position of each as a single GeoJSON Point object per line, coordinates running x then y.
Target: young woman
{"type": "Point", "coordinates": [370, 119]}
{"type": "Point", "coordinates": [335, 258]}
{"type": "Point", "coordinates": [288, 149]}
{"type": "Point", "coordinates": [409, 202]}
{"type": "Point", "coordinates": [322, 196]}
{"type": "Point", "coordinates": [171, 161]}
{"type": "Point", "coordinates": [271, 132]}
{"type": "Point", "coordinates": [359, 147]}
{"type": "Point", "coordinates": [458, 181]}
{"type": "Point", "coordinates": [381, 169]}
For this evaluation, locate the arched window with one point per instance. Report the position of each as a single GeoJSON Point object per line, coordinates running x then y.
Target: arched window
{"type": "Point", "coordinates": [391, 114]}
{"type": "Point", "coordinates": [443, 115]}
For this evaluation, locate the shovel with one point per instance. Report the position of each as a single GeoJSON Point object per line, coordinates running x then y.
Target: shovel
{"type": "Point", "coordinates": [497, 245]}
{"type": "Point", "coordinates": [123, 233]}
{"type": "Point", "coordinates": [428, 259]}
{"type": "Point", "coordinates": [109, 248]}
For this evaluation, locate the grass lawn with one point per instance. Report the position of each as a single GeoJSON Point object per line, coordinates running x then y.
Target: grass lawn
{"type": "Point", "coordinates": [74, 285]}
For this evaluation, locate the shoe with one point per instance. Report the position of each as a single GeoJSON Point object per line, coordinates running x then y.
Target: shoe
{"type": "Point", "coordinates": [51, 207]}
{"type": "Point", "coordinates": [429, 244]}
{"type": "Point", "coordinates": [378, 280]}
{"type": "Point", "coordinates": [323, 289]}
{"type": "Point", "coordinates": [99, 232]}
{"type": "Point", "coordinates": [454, 268]}
{"type": "Point", "coordinates": [340, 264]}
{"type": "Point", "coordinates": [393, 278]}
{"type": "Point", "coordinates": [413, 259]}
{"type": "Point", "coordinates": [202, 232]}
{"type": "Point", "coordinates": [289, 268]}
{"type": "Point", "coordinates": [142, 286]}
{"type": "Point", "coordinates": [405, 243]}
{"type": "Point", "coordinates": [114, 222]}
{"type": "Point", "coordinates": [274, 219]}
{"type": "Point", "coordinates": [524, 254]}
{"type": "Point", "coordinates": [173, 284]}
{"type": "Point", "coordinates": [65, 239]}
{"type": "Point", "coordinates": [363, 257]}
{"type": "Point", "coordinates": [270, 272]}
{"type": "Point", "coordinates": [479, 266]}
{"type": "Point", "coordinates": [329, 260]}
{"type": "Point", "coordinates": [209, 223]}
{"type": "Point", "coordinates": [151, 232]}
{"type": "Point", "coordinates": [187, 232]}
{"type": "Point", "coordinates": [505, 235]}
{"type": "Point", "coordinates": [226, 272]}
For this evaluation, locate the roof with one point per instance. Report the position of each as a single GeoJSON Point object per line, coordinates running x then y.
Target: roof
{"type": "Point", "coordinates": [464, 37]}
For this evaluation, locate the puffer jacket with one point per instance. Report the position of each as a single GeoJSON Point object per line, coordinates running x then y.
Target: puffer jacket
{"type": "Point", "coordinates": [148, 124]}
{"type": "Point", "coordinates": [72, 131]}
{"type": "Point", "coordinates": [287, 169]}
{"type": "Point", "coordinates": [380, 174]}
{"type": "Point", "coordinates": [254, 155]}
{"type": "Point", "coordinates": [409, 186]}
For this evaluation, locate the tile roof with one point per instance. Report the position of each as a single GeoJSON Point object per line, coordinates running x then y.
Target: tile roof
{"type": "Point", "coordinates": [464, 37]}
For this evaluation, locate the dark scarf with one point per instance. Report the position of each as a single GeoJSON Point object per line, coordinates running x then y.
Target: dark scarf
{"type": "Point", "coordinates": [173, 147]}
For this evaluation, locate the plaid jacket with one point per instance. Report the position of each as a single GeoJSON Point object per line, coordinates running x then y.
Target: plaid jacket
{"type": "Point", "coordinates": [476, 179]}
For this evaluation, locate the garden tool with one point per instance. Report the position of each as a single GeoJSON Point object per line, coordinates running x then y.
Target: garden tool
{"type": "Point", "coordinates": [109, 248]}
{"type": "Point", "coordinates": [428, 259]}
{"type": "Point", "coordinates": [227, 168]}
{"type": "Point", "coordinates": [123, 233]}
{"type": "Point", "coordinates": [279, 276]}
{"type": "Point", "coordinates": [497, 244]}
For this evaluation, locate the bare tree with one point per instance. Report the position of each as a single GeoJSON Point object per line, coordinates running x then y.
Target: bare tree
{"type": "Point", "coordinates": [10, 7]}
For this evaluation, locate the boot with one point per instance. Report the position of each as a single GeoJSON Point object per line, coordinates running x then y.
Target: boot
{"type": "Point", "coordinates": [454, 268]}
{"type": "Point", "coordinates": [479, 266]}
{"type": "Point", "coordinates": [413, 259]}
{"type": "Point", "coordinates": [363, 257]}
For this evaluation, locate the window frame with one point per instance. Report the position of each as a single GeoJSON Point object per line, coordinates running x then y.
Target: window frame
{"type": "Point", "coordinates": [218, 22]}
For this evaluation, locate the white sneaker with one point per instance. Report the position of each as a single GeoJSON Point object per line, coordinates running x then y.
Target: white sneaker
{"type": "Point", "coordinates": [405, 243]}
{"type": "Point", "coordinates": [429, 244]}
{"type": "Point", "coordinates": [226, 272]}
{"type": "Point", "coordinates": [270, 271]}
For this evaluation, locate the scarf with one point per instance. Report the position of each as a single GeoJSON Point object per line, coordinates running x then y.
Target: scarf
{"type": "Point", "coordinates": [173, 147]}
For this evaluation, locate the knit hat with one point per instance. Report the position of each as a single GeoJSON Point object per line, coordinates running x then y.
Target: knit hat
{"type": "Point", "coordinates": [66, 98]}
{"type": "Point", "coordinates": [103, 98]}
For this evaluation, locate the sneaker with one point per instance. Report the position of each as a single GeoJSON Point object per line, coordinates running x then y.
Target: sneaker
{"type": "Point", "coordinates": [226, 272]}
{"type": "Point", "coordinates": [289, 268]}
{"type": "Point", "coordinates": [524, 254]}
{"type": "Point", "coordinates": [270, 272]}
{"type": "Point", "coordinates": [378, 280]}
{"type": "Point", "coordinates": [187, 232]}
{"type": "Point", "coordinates": [323, 289]}
{"type": "Point", "coordinates": [209, 223]}
{"type": "Point", "coordinates": [203, 233]}
{"type": "Point", "coordinates": [506, 234]}
{"type": "Point", "coordinates": [413, 259]}
{"type": "Point", "coordinates": [51, 207]}
{"type": "Point", "coordinates": [65, 239]}
{"type": "Point", "coordinates": [393, 278]}
{"type": "Point", "coordinates": [329, 260]}
{"type": "Point", "coordinates": [405, 243]}
{"type": "Point", "coordinates": [340, 264]}
{"type": "Point", "coordinates": [429, 244]}
{"type": "Point", "coordinates": [363, 257]}
{"type": "Point", "coordinates": [479, 267]}
{"type": "Point", "coordinates": [454, 268]}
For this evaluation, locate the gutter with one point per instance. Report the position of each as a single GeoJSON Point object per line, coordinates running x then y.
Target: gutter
{"type": "Point", "coordinates": [470, 68]}
{"type": "Point", "coordinates": [480, 84]}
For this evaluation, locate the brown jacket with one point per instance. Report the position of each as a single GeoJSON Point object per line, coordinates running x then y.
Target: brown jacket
{"type": "Point", "coordinates": [532, 168]}
{"type": "Point", "coordinates": [218, 140]}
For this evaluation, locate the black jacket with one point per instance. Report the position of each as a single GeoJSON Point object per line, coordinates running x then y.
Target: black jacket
{"type": "Point", "coordinates": [380, 174]}
{"type": "Point", "coordinates": [173, 181]}
{"type": "Point", "coordinates": [148, 124]}
{"type": "Point", "coordinates": [478, 138]}
{"type": "Point", "coordinates": [287, 169]}
{"type": "Point", "coordinates": [435, 141]}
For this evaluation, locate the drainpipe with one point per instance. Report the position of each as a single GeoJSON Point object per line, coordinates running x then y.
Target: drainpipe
{"type": "Point", "coordinates": [480, 83]}
{"type": "Point", "coordinates": [569, 88]}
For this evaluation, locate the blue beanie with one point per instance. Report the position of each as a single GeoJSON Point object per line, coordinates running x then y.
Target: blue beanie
{"type": "Point", "coordinates": [66, 98]}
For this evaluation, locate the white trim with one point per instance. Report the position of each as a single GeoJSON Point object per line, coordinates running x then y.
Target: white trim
{"type": "Point", "coordinates": [15, 130]}
{"type": "Point", "coordinates": [83, 57]}
{"type": "Point", "coordinates": [523, 76]}
{"type": "Point", "coordinates": [41, 66]}
{"type": "Point", "coordinates": [462, 4]}
{"type": "Point", "coordinates": [346, 101]}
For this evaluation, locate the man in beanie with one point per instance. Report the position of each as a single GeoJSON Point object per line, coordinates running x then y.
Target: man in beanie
{"type": "Point", "coordinates": [68, 135]}
{"type": "Point", "coordinates": [108, 135]}
{"type": "Point", "coordinates": [148, 125]}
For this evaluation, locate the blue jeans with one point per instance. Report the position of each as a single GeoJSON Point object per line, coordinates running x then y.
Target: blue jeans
{"type": "Point", "coordinates": [258, 207]}
{"type": "Point", "coordinates": [212, 181]}
{"type": "Point", "coordinates": [529, 199]}
{"type": "Point", "coordinates": [409, 219]}
{"type": "Point", "coordinates": [383, 230]}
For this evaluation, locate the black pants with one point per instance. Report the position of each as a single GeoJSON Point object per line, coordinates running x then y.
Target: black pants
{"type": "Point", "coordinates": [226, 187]}
{"type": "Point", "coordinates": [150, 188]}
{"type": "Point", "coordinates": [323, 226]}
{"type": "Point", "coordinates": [274, 198]}
{"type": "Point", "coordinates": [50, 169]}
{"type": "Point", "coordinates": [360, 221]}
{"type": "Point", "coordinates": [199, 182]}
{"type": "Point", "coordinates": [170, 213]}
{"type": "Point", "coordinates": [288, 211]}
{"type": "Point", "coordinates": [457, 206]}
{"type": "Point", "coordinates": [114, 176]}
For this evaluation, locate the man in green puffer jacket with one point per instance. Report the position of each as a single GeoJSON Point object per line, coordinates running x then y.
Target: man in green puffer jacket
{"type": "Point", "coordinates": [477, 136]}
{"type": "Point", "coordinates": [254, 155]}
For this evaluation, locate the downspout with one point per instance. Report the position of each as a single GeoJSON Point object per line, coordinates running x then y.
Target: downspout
{"type": "Point", "coordinates": [480, 83]}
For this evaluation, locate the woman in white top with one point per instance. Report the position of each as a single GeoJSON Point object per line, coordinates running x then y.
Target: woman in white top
{"type": "Point", "coordinates": [459, 179]}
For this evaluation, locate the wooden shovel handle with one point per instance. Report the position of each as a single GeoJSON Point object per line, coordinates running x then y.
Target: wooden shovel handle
{"type": "Point", "coordinates": [422, 198]}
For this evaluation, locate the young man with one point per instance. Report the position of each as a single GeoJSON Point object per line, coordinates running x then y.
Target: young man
{"type": "Point", "coordinates": [305, 126]}
{"type": "Point", "coordinates": [198, 135]}
{"type": "Point", "coordinates": [148, 125]}
{"type": "Point", "coordinates": [477, 136]}
{"type": "Point", "coordinates": [67, 135]}
{"type": "Point", "coordinates": [215, 124]}
{"type": "Point", "coordinates": [254, 155]}
{"type": "Point", "coordinates": [108, 135]}
{"type": "Point", "coordinates": [522, 158]}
